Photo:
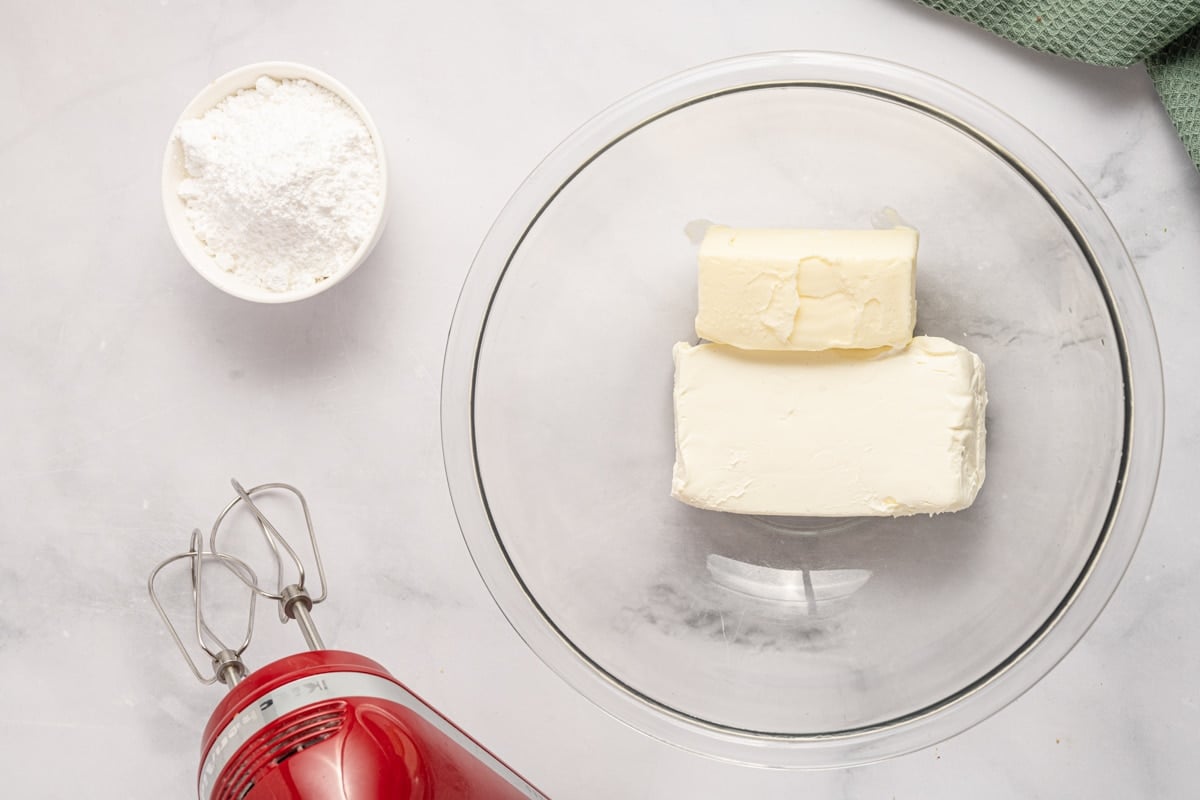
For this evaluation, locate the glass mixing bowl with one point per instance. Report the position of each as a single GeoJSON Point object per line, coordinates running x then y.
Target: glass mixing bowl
{"type": "Point", "coordinates": [797, 642]}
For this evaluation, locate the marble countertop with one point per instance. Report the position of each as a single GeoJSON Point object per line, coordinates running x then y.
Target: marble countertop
{"type": "Point", "coordinates": [135, 389]}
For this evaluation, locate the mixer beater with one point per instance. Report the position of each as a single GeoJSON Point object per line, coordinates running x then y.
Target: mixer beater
{"type": "Point", "coordinates": [322, 724]}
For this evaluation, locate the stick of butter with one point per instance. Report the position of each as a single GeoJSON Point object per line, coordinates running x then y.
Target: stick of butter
{"type": "Point", "coordinates": [831, 434]}
{"type": "Point", "coordinates": [763, 289]}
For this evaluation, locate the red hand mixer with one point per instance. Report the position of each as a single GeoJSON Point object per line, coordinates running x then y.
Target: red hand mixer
{"type": "Point", "coordinates": [323, 724]}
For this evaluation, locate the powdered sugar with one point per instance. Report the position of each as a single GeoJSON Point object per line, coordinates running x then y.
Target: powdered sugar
{"type": "Point", "coordinates": [283, 183]}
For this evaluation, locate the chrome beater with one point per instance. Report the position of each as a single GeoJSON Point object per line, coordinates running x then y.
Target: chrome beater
{"type": "Point", "coordinates": [227, 664]}
{"type": "Point", "coordinates": [295, 601]}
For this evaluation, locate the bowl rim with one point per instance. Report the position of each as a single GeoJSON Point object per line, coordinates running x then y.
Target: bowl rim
{"type": "Point", "coordinates": [174, 208]}
{"type": "Point", "coordinates": [1138, 353]}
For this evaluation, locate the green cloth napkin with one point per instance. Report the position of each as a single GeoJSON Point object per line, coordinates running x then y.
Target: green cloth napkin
{"type": "Point", "coordinates": [1163, 33]}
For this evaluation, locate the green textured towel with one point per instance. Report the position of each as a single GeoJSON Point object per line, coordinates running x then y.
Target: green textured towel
{"type": "Point", "coordinates": [1163, 33]}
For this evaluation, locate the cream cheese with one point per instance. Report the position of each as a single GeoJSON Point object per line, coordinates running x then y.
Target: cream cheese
{"type": "Point", "coordinates": [835, 433]}
{"type": "Point", "coordinates": [764, 289]}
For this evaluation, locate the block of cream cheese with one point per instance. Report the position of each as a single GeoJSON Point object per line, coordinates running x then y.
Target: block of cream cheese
{"type": "Point", "coordinates": [829, 434]}
{"type": "Point", "coordinates": [763, 289]}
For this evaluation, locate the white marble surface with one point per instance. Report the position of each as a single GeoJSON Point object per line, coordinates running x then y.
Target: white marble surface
{"type": "Point", "coordinates": [133, 389]}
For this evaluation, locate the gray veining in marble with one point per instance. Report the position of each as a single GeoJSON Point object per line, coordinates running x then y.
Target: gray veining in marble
{"type": "Point", "coordinates": [134, 390]}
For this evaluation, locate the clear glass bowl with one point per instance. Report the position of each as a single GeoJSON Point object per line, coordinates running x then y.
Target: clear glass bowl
{"type": "Point", "coordinates": [794, 642]}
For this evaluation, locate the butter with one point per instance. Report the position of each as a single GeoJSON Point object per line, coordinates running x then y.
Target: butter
{"type": "Point", "coordinates": [763, 289]}
{"type": "Point", "coordinates": [829, 434]}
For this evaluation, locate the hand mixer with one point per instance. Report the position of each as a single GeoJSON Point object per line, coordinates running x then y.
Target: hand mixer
{"type": "Point", "coordinates": [323, 724]}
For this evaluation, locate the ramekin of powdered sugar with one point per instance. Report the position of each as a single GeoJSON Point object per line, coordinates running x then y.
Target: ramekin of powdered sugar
{"type": "Point", "coordinates": [275, 182]}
